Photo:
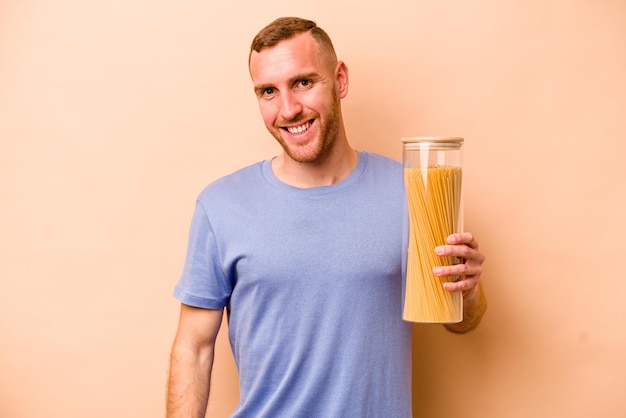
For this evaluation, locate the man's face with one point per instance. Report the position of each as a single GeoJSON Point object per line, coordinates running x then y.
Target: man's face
{"type": "Point", "coordinates": [295, 84]}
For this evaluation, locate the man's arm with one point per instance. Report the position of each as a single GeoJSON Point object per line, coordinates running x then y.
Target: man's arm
{"type": "Point", "coordinates": [463, 245]}
{"type": "Point", "coordinates": [191, 362]}
{"type": "Point", "coordinates": [474, 308]}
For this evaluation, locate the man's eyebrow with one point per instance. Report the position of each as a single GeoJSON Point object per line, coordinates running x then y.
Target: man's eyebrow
{"type": "Point", "coordinates": [304, 76]}
{"type": "Point", "coordinates": [262, 87]}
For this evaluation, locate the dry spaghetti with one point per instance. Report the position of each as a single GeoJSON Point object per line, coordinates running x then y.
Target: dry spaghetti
{"type": "Point", "coordinates": [434, 198]}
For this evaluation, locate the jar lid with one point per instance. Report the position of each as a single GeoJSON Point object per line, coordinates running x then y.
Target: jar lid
{"type": "Point", "coordinates": [432, 143]}
{"type": "Point", "coordinates": [432, 139]}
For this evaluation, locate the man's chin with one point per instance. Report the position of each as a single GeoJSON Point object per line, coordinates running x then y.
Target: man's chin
{"type": "Point", "coordinates": [300, 155]}
{"type": "Point", "coordinates": [306, 156]}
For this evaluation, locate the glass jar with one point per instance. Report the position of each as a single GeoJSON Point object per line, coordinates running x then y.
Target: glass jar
{"type": "Point", "coordinates": [433, 180]}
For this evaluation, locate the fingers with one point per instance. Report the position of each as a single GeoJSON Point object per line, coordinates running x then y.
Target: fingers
{"type": "Point", "coordinates": [467, 269]}
{"type": "Point", "coordinates": [464, 246]}
{"type": "Point", "coordinates": [468, 276]}
{"type": "Point", "coordinates": [463, 238]}
{"type": "Point", "coordinates": [461, 286]}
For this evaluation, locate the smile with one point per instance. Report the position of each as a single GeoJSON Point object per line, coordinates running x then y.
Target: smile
{"type": "Point", "coordinates": [300, 129]}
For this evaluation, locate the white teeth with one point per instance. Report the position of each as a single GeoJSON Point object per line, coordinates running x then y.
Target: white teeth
{"type": "Point", "coordinates": [299, 129]}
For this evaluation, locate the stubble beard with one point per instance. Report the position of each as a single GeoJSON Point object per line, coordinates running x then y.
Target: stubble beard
{"type": "Point", "coordinates": [317, 151]}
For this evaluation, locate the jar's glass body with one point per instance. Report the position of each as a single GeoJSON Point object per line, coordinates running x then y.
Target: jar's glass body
{"type": "Point", "coordinates": [433, 182]}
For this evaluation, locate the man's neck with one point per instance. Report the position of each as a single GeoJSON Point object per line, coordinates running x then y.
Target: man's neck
{"type": "Point", "coordinates": [333, 169]}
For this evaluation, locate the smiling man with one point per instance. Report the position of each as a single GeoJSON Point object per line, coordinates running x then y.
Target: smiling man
{"type": "Point", "coordinates": [299, 84]}
{"type": "Point", "coordinates": [304, 251]}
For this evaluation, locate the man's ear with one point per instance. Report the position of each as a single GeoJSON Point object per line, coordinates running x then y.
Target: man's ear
{"type": "Point", "coordinates": [341, 79]}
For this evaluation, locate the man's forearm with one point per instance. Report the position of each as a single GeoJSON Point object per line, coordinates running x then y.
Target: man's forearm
{"type": "Point", "coordinates": [189, 383]}
{"type": "Point", "coordinates": [473, 310]}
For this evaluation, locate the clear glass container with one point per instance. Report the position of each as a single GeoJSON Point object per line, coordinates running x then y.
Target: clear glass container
{"type": "Point", "coordinates": [433, 180]}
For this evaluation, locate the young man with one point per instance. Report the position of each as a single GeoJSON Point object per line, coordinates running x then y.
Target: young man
{"type": "Point", "coordinates": [305, 252]}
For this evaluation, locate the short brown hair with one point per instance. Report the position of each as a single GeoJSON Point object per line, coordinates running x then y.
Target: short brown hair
{"type": "Point", "coordinates": [285, 28]}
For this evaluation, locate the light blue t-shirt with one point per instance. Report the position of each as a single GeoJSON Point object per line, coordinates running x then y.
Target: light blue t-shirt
{"type": "Point", "coordinates": [312, 279]}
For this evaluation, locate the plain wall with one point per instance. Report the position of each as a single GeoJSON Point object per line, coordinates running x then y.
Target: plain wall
{"type": "Point", "coordinates": [115, 114]}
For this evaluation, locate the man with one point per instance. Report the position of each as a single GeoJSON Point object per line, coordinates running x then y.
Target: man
{"type": "Point", "coordinates": [305, 253]}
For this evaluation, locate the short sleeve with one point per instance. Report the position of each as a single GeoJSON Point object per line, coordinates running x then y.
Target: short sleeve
{"type": "Point", "coordinates": [203, 283]}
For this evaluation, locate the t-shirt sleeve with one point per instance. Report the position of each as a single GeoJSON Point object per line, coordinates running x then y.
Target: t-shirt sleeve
{"type": "Point", "coordinates": [203, 283]}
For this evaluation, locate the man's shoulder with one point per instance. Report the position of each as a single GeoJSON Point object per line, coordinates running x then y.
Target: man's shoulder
{"type": "Point", "coordinates": [379, 162]}
{"type": "Point", "coordinates": [380, 158]}
{"type": "Point", "coordinates": [235, 183]}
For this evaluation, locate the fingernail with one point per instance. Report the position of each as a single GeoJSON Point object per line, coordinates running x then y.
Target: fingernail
{"type": "Point", "coordinates": [439, 250]}
{"type": "Point", "coordinates": [437, 271]}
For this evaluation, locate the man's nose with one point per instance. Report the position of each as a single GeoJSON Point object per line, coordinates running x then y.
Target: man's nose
{"type": "Point", "coordinates": [291, 106]}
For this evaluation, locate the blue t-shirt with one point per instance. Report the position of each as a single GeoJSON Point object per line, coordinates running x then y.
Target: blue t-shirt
{"type": "Point", "coordinates": [312, 279]}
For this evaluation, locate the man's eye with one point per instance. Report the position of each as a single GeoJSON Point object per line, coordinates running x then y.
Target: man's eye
{"type": "Point", "coordinates": [304, 83]}
{"type": "Point", "coordinates": [268, 91]}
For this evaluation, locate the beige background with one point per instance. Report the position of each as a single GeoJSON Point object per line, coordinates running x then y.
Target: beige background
{"type": "Point", "coordinates": [114, 114]}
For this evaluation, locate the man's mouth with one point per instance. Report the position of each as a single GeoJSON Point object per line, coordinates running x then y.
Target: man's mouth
{"type": "Point", "coordinates": [300, 129]}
